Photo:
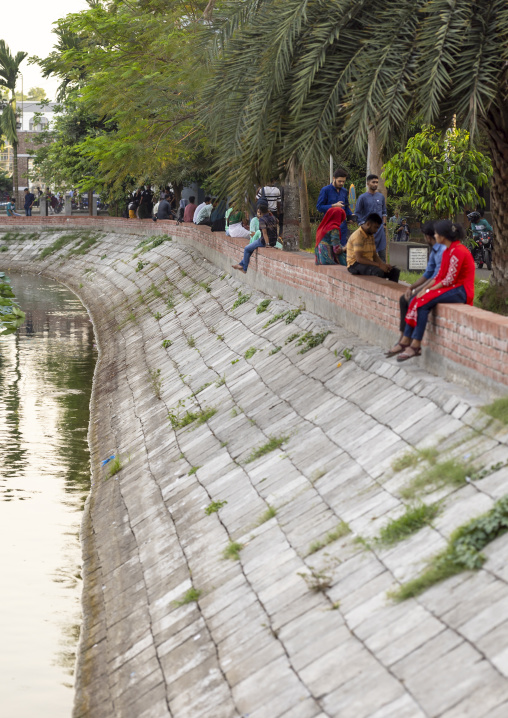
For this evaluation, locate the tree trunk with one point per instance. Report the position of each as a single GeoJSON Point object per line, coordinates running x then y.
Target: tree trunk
{"type": "Point", "coordinates": [304, 210]}
{"type": "Point", "coordinates": [15, 180]}
{"type": "Point", "coordinates": [374, 161]}
{"type": "Point", "coordinates": [291, 235]}
{"type": "Point", "coordinates": [497, 128]}
{"type": "Point", "coordinates": [178, 193]}
{"type": "Point", "coordinates": [90, 202]}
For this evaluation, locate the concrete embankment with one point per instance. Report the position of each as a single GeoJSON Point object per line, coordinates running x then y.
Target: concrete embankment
{"type": "Point", "coordinates": [235, 563]}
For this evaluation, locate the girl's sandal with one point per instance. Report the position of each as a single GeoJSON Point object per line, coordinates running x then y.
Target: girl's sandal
{"type": "Point", "coordinates": [416, 351]}
{"type": "Point", "coordinates": [397, 349]}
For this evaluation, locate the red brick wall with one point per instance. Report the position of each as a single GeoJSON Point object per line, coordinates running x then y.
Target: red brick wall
{"type": "Point", "coordinates": [469, 337]}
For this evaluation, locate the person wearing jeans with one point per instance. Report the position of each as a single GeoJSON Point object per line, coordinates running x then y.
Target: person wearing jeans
{"type": "Point", "coordinates": [453, 285]}
{"type": "Point", "coordinates": [29, 201]}
{"type": "Point", "coordinates": [268, 229]}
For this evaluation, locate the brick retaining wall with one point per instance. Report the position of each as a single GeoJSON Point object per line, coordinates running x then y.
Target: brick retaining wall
{"type": "Point", "coordinates": [462, 343]}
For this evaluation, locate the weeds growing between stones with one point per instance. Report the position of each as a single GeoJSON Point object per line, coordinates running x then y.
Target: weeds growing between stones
{"type": "Point", "coordinates": [190, 596]}
{"type": "Point", "coordinates": [166, 343]}
{"type": "Point", "coordinates": [274, 442]}
{"type": "Point", "coordinates": [179, 421]}
{"type": "Point", "coordinates": [156, 381]}
{"type": "Point", "coordinates": [242, 298]}
{"type": "Point", "coordinates": [232, 551]}
{"type": "Point", "coordinates": [115, 466]}
{"type": "Point", "coordinates": [410, 522]}
{"type": "Point", "coordinates": [270, 513]}
{"type": "Point", "coordinates": [463, 552]}
{"type": "Point", "coordinates": [339, 532]}
{"type": "Point", "coordinates": [214, 507]}
{"type": "Point", "coordinates": [498, 410]}
{"type": "Point", "coordinates": [263, 306]}
{"type": "Point", "coordinates": [250, 352]}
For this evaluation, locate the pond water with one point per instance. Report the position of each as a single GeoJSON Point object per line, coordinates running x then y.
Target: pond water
{"type": "Point", "coordinates": [46, 374]}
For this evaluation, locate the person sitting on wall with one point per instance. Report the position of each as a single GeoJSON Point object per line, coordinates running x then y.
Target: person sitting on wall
{"type": "Point", "coordinates": [268, 229]}
{"type": "Point", "coordinates": [188, 214]}
{"type": "Point", "coordinates": [426, 280]}
{"type": "Point", "coordinates": [235, 226]}
{"type": "Point", "coordinates": [329, 249]}
{"type": "Point", "coordinates": [454, 284]}
{"type": "Point", "coordinates": [362, 257]}
{"type": "Point", "coordinates": [203, 212]}
{"type": "Point", "coordinates": [164, 210]}
{"type": "Point", "coordinates": [10, 207]}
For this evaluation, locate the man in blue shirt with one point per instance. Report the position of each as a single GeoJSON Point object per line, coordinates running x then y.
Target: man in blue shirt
{"type": "Point", "coordinates": [373, 202]}
{"type": "Point", "coordinates": [336, 195]}
{"type": "Point", "coordinates": [29, 201]}
{"type": "Point", "coordinates": [427, 279]}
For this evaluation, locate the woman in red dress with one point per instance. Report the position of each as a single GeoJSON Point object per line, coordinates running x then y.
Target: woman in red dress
{"type": "Point", "coordinates": [453, 285]}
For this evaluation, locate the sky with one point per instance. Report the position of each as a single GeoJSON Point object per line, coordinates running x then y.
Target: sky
{"type": "Point", "coordinates": [31, 31]}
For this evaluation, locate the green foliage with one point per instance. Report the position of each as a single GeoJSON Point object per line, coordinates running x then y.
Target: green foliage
{"type": "Point", "coordinates": [274, 319]}
{"type": "Point", "coordinates": [275, 350]}
{"type": "Point", "coordinates": [339, 532]}
{"type": "Point", "coordinates": [263, 306]}
{"type": "Point", "coordinates": [274, 442]}
{"type": "Point", "coordinates": [115, 466]}
{"type": "Point", "coordinates": [436, 476]}
{"type": "Point", "coordinates": [179, 421]}
{"type": "Point", "coordinates": [214, 507]}
{"type": "Point", "coordinates": [412, 520]}
{"type": "Point", "coordinates": [463, 551]}
{"type": "Point", "coordinates": [291, 315]}
{"type": "Point", "coordinates": [206, 286]}
{"type": "Point", "coordinates": [270, 513]}
{"type": "Point", "coordinates": [191, 342]}
{"type": "Point", "coordinates": [250, 352]}
{"type": "Point", "coordinates": [156, 381]}
{"type": "Point", "coordinates": [439, 175]}
{"type": "Point", "coordinates": [317, 581]}
{"type": "Point", "coordinates": [11, 316]}
{"type": "Point", "coordinates": [242, 298]}
{"type": "Point", "coordinates": [498, 410]}
{"type": "Point", "coordinates": [202, 388]}
{"type": "Point", "coordinates": [59, 244]}
{"type": "Point", "coordinates": [347, 354]}
{"type": "Point", "coordinates": [190, 596]}
{"type": "Point", "coordinates": [292, 337]}
{"type": "Point", "coordinates": [193, 470]}
{"type": "Point", "coordinates": [220, 382]}
{"type": "Point", "coordinates": [232, 551]}
{"type": "Point", "coordinates": [310, 341]}
{"type": "Point", "coordinates": [140, 265]}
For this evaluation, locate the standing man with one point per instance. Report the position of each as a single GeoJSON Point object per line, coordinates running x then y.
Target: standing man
{"type": "Point", "coordinates": [336, 195]}
{"type": "Point", "coordinates": [373, 202]}
{"type": "Point", "coordinates": [29, 201]}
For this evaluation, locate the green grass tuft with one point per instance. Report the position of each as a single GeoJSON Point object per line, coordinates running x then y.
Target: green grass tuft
{"type": "Point", "coordinates": [242, 298]}
{"type": "Point", "coordinates": [275, 351]}
{"type": "Point", "coordinates": [250, 352]}
{"type": "Point", "coordinates": [166, 343]}
{"type": "Point", "coordinates": [498, 410]}
{"type": "Point", "coordinates": [115, 466]}
{"type": "Point", "coordinates": [232, 551]}
{"type": "Point", "coordinates": [214, 507]}
{"type": "Point", "coordinates": [274, 442]}
{"type": "Point", "coordinates": [412, 520]}
{"type": "Point", "coordinates": [310, 341]}
{"type": "Point", "coordinates": [444, 473]}
{"type": "Point", "coordinates": [339, 532]}
{"type": "Point", "coordinates": [263, 306]}
{"type": "Point", "coordinates": [193, 470]}
{"type": "Point", "coordinates": [191, 342]}
{"type": "Point", "coordinates": [270, 513]}
{"type": "Point", "coordinates": [190, 596]}
{"type": "Point", "coordinates": [200, 417]}
{"type": "Point", "coordinates": [463, 552]}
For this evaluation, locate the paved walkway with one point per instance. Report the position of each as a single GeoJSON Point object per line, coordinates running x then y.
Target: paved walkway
{"type": "Point", "coordinates": [290, 629]}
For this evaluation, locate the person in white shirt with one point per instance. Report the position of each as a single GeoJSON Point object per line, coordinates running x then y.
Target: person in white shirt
{"type": "Point", "coordinates": [273, 197]}
{"type": "Point", "coordinates": [203, 212]}
{"type": "Point", "coordinates": [236, 228]}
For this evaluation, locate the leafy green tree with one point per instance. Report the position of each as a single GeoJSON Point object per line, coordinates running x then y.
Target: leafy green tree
{"type": "Point", "coordinates": [35, 94]}
{"type": "Point", "coordinates": [440, 174]}
{"type": "Point", "coordinates": [132, 67]}
{"type": "Point", "coordinates": [9, 71]}
{"type": "Point", "coordinates": [292, 80]}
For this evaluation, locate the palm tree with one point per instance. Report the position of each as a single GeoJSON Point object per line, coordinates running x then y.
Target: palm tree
{"type": "Point", "coordinates": [9, 71]}
{"type": "Point", "coordinates": [296, 79]}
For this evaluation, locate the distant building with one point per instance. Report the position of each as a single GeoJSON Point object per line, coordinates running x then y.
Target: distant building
{"type": "Point", "coordinates": [30, 125]}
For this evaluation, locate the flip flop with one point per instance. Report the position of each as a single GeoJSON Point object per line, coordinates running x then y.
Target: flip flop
{"type": "Point", "coordinates": [401, 348]}
{"type": "Point", "coordinates": [404, 357]}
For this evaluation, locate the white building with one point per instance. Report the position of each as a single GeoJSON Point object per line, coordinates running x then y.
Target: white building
{"type": "Point", "coordinates": [27, 111]}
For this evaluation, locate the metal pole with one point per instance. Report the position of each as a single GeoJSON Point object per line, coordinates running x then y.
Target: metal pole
{"type": "Point", "coordinates": [331, 169]}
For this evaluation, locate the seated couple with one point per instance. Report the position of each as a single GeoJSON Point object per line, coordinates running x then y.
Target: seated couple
{"type": "Point", "coordinates": [361, 256]}
{"type": "Point", "coordinates": [268, 236]}
{"type": "Point", "coordinates": [448, 279]}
